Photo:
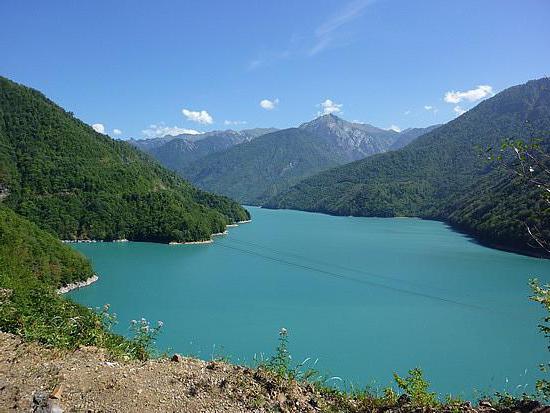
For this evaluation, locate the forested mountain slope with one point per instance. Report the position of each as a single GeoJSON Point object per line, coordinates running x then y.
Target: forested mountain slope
{"type": "Point", "coordinates": [444, 174]}
{"type": "Point", "coordinates": [180, 151]}
{"type": "Point", "coordinates": [78, 184]}
{"type": "Point", "coordinates": [33, 264]}
{"type": "Point", "coordinates": [254, 171]}
{"type": "Point", "coordinates": [408, 135]}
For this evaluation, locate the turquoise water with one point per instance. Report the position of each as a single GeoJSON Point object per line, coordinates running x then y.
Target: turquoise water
{"type": "Point", "coordinates": [364, 296]}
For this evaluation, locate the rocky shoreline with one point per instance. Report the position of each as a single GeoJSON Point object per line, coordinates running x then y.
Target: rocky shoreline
{"type": "Point", "coordinates": [77, 285]}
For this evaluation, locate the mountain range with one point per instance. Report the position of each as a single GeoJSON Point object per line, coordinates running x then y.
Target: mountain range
{"type": "Point", "coordinates": [444, 174]}
{"type": "Point", "coordinates": [252, 168]}
{"type": "Point", "coordinates": [175, 152]}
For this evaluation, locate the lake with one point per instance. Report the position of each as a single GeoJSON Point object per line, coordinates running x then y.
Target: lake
{"type": "Point", "coordinates": [363, 296]}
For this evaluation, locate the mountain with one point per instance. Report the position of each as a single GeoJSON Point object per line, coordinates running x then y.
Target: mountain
{"type": "Point", "coordinates": [254, 171]}
{"type": "Point", "coordinates": [443, 174]}
{"type": "Point", "coordinates": [176, 152]}
{"type": "Point", "coordinates": [79, 184]}
{"type": "Point", "coordinates": [408, 135]}
{"type": "Point", "coordinates": [353, 141]}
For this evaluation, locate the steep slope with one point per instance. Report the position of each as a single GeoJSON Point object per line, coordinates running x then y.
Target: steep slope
{"type": "Point", "coordinates": [254, 171]}
{"type": "Point", "coordinates": [77, 183]}
{"type": "Point", "coordinates": [179, 151]}
{"type": "Point", "coordinates": [32, 265]}
{"type": "Point", "coordinates": [442, 174]}
{"type": "Point", "coordinates": [408, 135]}
{"type": "Point", "coordinates": [352, 140]}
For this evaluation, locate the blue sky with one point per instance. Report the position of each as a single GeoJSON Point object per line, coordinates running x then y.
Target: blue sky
{"type": "Point", "coordinates": [136, 66]}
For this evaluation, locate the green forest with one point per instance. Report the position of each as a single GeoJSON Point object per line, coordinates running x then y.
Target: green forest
{"type": "Point", "coordinates": [253, 172]}
{"type": "Point", "coordinates": [446, 175]}
{"type": "Point", "coordinates": [79, 184]}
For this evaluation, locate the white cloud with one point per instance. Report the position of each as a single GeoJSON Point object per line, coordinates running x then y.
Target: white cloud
{"type": "Point", "coordinates": [266, 58]}
{"type": "Point", "coordinates": [395, 128]}
{"type": "Point", "coordinates": [330, 106]}
{"type": "Point", "coordinates": [269, 104]}
{"type": "Point", "coordinates": [480, 92]}
{"type": "Point", "coordinates": [458, 110]}
{"type": "Point", "coordinates": [431, 108]}
{"type": "Point", "coordinates": [326, 34]}
{"type": "Point", "coordinates": [158, 131]}
{"type": "Point", "coordinates": [407, 112]}
{"type": "Point", "coordinates": [117, 132]}
{"type": "Point", "coordinates": [234, 122]}
{"type": "Point", "coordinates": [201, 116]}
{"type": "Point", "coordinates": [99, 127]}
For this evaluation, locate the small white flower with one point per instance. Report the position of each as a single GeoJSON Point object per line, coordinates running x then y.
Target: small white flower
{"type": "Point", "coordinates": [160, 323]}
{"type": "Point", "coordinates": [531, 169]}
{"type": "Point", "coordinates": [283, 331]}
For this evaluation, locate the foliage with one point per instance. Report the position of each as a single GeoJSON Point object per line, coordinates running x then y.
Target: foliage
{"type": "Point", "coordinates": [417, 388]}
{"type": "Point", "coordinates": [254, 171]}
{"type": "Point", "coordinates": [541, 294]}
{"type": "Point", "coordinates": [79, 184]}
{"type": "Point", "coordinates": [280, 364]}
{"type": "Point", "coordinates": [280, 361]}
{"type": "Point", "coordinates": [33, 264]}
{"type": "Point", "coordinates": [441, 175]}
{"type": "Point", "coordinates": [177, 152]}
{"type": "Point", "coordinates": [144, 336]}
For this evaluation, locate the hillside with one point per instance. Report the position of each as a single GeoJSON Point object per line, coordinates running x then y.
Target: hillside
{"type": "Point", "coordinates": [253, 172]}
{"type": "Point", "coordinates": [33, 264]}
{"type": "Point", "coordinates": [408, 135]}
{"type": "Point", "coordinates": [181, 150]}
{"type": "Point", "coordinates": [443, 174]}
{"type": "Point", "coordinates": [78, 184]}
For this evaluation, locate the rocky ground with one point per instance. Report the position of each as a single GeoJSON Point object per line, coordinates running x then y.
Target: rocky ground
{"type": "Point", "coordinates": [37, 379]}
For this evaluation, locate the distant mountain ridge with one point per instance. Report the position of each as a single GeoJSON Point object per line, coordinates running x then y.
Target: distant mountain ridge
{"type": "Point", "coordinates": [442, 174]}
{"type": "Point", "coordinates": [175, 152]}
{"type": "Point", "coordinates": [254, 171]}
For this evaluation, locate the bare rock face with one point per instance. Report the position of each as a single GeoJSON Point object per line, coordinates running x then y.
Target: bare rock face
{"type": "Point", "coordinates": [355, 140]}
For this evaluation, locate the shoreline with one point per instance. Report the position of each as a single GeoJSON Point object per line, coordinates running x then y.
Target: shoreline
{"type": "Point", "coordinates": [472, 235]}
{"type": "Point", "coordinates": [208, 241]}
{"type": "Point", "coordinates": [90, 241]}
{"type": "Point", "coordinates": [77, 285]}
